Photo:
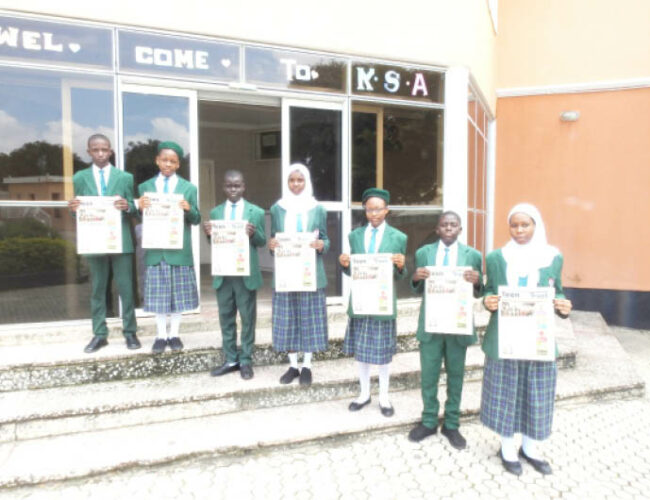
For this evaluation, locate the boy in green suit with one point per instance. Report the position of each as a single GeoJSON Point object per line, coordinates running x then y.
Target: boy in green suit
{"type": "Point", "coordinates": [238, 292]}
{"type": "Point", "coordinates": [436, 346]}
{"type": "Point", "coordinates": [103, 179]}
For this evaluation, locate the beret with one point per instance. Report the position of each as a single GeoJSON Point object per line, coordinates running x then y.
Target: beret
{"type": "Point", "coordinates": [173, 146]}
{"type": "Point", "coordinates": [375, 193]}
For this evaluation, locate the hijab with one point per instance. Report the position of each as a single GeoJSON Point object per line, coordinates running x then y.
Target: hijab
{"type": "Point", "coordinates": [528, 259]}
{"type": "Point", "coordinates": [298, 203]}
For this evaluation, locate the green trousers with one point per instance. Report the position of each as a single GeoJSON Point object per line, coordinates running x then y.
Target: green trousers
{"type": "Point", "coordinates": [431, 355]}
{"type": "Point", "coordinates": [232, 296]}
{"type": "Point", "coordinates": [100, 266]}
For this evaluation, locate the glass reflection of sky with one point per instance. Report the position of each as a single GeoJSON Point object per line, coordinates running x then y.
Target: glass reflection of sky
{"type": "Point", "coordinates": [31, 108]}
{"type": "Point", "coordinates": [165, 118]}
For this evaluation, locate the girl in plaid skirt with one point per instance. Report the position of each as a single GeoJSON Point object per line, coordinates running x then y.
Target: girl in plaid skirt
{"type": "Point", "coordinates": [299, 319]}
{"type": "Point", "coordinates": [373, 339]}
{"type": "Point", "coordinates": [170, 282]}
{"type": "Point", "coordinates": [518, 395]}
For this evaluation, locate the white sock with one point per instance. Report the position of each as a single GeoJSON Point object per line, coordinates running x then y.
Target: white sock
{"type": "Point", "coordinates": [161, 326]}
{"type": "Point", "coordinates": [384, 382]}
{"type": "Point", "coordinates": [531, 447]}
{"type": "Point", "coordinates": [509, 449]}
{"type": "Point", "coordinates": [293, 360]}
{"type": "Point", "coordinates": [175, 324]}
{"type": "Point", "coordinates": [306, 360]}
{"type": "Point", "coordinates": [364, 382]}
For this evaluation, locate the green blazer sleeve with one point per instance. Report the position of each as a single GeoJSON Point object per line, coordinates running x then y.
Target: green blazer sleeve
{"type": "Point", "coordinates": [184, 256]}
{"type": "Point", "coordinates": [496, 276]}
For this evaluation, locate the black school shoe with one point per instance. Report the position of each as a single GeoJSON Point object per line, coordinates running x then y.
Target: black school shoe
{"type": "Point", "coordinates": [175, 344]}
{"type": "Point", "coordinates": [95, 344]}
{"type": "Point", "coordinates": [455, 438]}
{"type": "Point", "coordinates": [387, 411]}
{"type": "Point", "coordinates": [420, 432]}
{"type": "Point", "coordinates": [246, 372]}
{"type": "Point", "coordinates": [159, 346]}
{"type": "Point", "coordinates": [305, 376]}
{"type": "Point", "coordinates": [512, 467]}
{"type": "Point", "coordinates": [541, 466]}
{"type": "Point", "coordinates": [291, 374]}
{"type": "Point", "coordinates": [132, 342]}
{"type": "Point", "coordinates": [354, 406]}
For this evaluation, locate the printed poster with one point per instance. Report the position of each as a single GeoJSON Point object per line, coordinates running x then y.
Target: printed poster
{"type": "Point", "coordinates": [230, 248]}
{"type": "Point", "coordinates": [526, 323]}
{"type": "Point", "coordinates": [295, 263]}
{"type": "Point", "coordinates": [372, 284]}
{"type": "Point", "coordinates": [99, 225]}
{"type": "Point", "coordinates": [163, 222]}
{"type": "Point", "coordinates": [448, 301]}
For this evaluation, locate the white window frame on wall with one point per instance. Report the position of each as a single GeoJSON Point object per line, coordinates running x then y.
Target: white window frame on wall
{"type": "Point", "coordinates": [191, 95]}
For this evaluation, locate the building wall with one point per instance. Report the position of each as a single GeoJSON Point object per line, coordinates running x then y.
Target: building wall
{"type": "Point", "coordinates": [555, 42]}
{"type": "Point", "coordinates": [436, 32]}
{"type": "Point", "coordinates": [589, 178]}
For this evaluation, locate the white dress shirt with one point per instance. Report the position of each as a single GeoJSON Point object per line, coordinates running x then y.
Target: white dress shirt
{"type": "Point", "coordinates": [453, 253]}
{"type": "Point", "coordinates": [107, 175]}
{"type": "Point", "coordinates": [368, 234]}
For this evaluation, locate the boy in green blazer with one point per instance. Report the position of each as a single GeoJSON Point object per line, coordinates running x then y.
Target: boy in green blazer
{"type": "Point", "coordinates": [436, 346]}
{"type": "Point", "coordinates": [103, 179]}
{"type": "Point", "coordinates": [238, 292]}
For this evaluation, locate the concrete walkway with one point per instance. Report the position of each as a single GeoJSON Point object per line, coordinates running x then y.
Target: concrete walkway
{"type": "Point", "coordinates": [599, 450]}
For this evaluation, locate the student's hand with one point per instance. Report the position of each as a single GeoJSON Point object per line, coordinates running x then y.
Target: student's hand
{"type": "Point", "coordinates": [184, 205]}
{"type": "Point", "coordinates": [421, 273]}
{"type": "Point", "coordinates": [273, 244]}
{"type": "Point", "coordinates": [250, 229]}
{"type": "Point", "coordinates": [399, 260]}
{"type": "Point", "coordinates": [73, 204]}
{"type": "Point", "coordinates": [563, 306]}
{"type": "Point", "coordinates": [207, 227]}
{"type": "Point", "coordinates": [144, 202]}
{"type": "Point", "coordinates": [318, 245]}
{"type": "Point", "coordinates": [491, 302]}
{"type": "Point", "coordinates": [471, 276]}
{"type": "Point", "coordinates": [344, 260]}
{"type": "Point", "coordinates": [121, 204]}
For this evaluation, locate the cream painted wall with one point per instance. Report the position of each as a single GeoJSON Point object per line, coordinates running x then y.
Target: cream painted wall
{"type": "Point", "coordinates": [436, 32]}
{"type": "Point", "coordinates": [555, 42]}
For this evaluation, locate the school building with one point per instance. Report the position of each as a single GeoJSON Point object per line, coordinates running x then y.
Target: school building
{"type": "Point", "coordinates": [471, 105]}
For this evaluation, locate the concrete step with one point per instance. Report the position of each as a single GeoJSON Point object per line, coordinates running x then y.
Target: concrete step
{"type": "Point", "coordinates": [38, 366]}
{"type": "Point", "coordinates": [603, 370]}
{"type": "Point", "coordinates": [31, 414]}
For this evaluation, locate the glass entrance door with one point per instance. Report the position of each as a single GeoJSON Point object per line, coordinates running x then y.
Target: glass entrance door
{"type": "Point", "coordinates": [151, 115]}
{"type": "Point", "coordinates": [315, 134]}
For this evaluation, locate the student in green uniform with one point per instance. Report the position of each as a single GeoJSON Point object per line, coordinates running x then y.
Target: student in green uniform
{"type": "Point", "coordinates": [238, 292]}
{"type": "Point", "coordinates": [103, 179]}
{"type": "Point", "coordinates": [518, 395]}
{"type": "Point", "coordinates": [373, 339]}
{"type": "Point", "coordinates": [434, 347]}
{"type": "Point", "coordinates": [170, 281]}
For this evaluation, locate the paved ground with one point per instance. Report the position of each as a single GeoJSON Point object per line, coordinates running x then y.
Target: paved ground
{"type": "Point", "coordinates": [601, 450]}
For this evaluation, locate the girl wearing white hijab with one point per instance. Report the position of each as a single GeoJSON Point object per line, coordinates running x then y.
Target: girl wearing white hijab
{"type": "Point", "coordinates": [518, 395]}
{"type": "Point", "coordinates": [299, 319]}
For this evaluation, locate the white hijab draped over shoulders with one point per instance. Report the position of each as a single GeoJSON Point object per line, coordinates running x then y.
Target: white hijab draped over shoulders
{"type": "Point", "coordinates": [296, 204]}
{"type": "Point", "coordinates": [528, 259]}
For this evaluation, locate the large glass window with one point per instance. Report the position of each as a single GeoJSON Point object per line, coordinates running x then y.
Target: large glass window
{"type": "Point", "coordinates": [398, 148]}
{"type": "Point", "coordinates": [46, 119]}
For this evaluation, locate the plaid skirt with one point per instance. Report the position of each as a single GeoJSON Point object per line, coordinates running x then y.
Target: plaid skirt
{"type": "Point", "coordinates": [518, 396]}
{"type": "Point", "coordinates": [299, 321]}
{"type": "Point", "coordinates": [371, 340]}
{"type": "Point", "coordinates": [170, 289]}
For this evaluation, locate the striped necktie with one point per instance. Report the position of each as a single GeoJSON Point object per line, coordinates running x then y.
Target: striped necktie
{"type": "Point", "coordinates": [233, 207]}
{"type": "Point", "coordinates": [166, 186]}
{"type": "Point", "coordinates": [373, 240]}
{"type": "Point", "coordinates": [102, 181]}
{"type": "Point", "coordinates": [445, 260]}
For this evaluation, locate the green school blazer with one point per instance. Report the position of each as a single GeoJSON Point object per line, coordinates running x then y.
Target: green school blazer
{"type": "Point", "coordinates": [182, 257]}
{"type": "Point", "coordinates": [496, 266]}
{"type": "Point", "coordinates": [316, 219]}
{"type": "Point", "coordinates": [426, 256]}
{"type": "Point", "coordinates": [254, 215]}
{"type": "Point", "coordinates": [119, 183]}
{"type": "Point", "coordinates": [393, 241]}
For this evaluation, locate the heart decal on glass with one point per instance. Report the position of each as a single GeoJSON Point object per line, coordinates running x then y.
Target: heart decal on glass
{"type": "Point", "coordinates": [226, 63]}
{"type": "Point", "coordinates": [74, 47]}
